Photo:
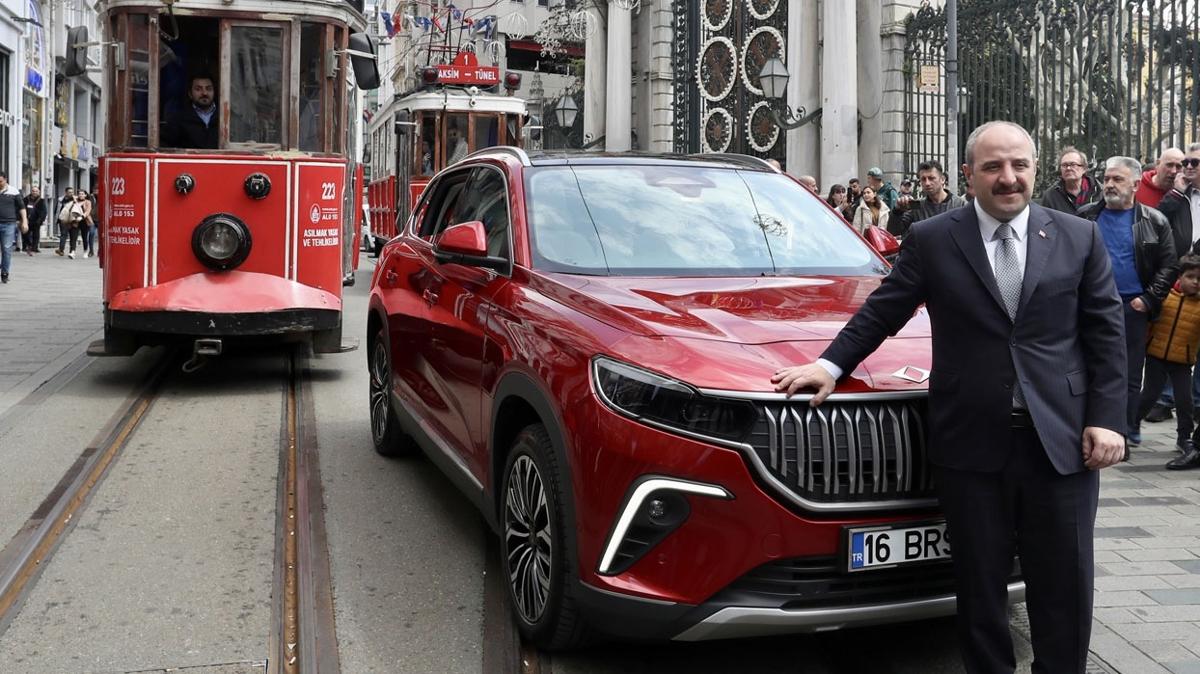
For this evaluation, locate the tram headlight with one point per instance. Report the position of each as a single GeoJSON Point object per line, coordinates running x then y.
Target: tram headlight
{"type": "Point", "coordinates": [221, 242]}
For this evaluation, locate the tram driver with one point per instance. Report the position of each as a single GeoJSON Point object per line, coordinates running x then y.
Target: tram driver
{"type": "Point", "coordinates": [195, 126]}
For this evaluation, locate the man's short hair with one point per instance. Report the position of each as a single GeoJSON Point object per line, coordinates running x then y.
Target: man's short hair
{"type": "Point", "coordinates": [1071, 149]}
{"type": "Point", "coordinates": [969, 155]}
{"type": "Point", "coordinates": [200, 76]}
{"type": "Point", "coordinates": [1188, 263]}
{"type": "Point", "coordinates": [1194, 147]}
{"type": "Point", "coordinates": [929, 165]}
{"type": "Point", "coordinates": [4, 174]}
{"type": "Point", "coordinates": [1128, 163]}
{"type": "Point", "coordinates": [852, 180]}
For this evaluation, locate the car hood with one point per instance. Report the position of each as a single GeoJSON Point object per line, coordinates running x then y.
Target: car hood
{"type": "Point", "coordinates": [743, 311]}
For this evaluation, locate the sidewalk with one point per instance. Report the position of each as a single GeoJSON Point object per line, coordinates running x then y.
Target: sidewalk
{"type": "Point", "coordinates": [1148, 562]}
{"type": "Point", "coordinates": [49, 311]}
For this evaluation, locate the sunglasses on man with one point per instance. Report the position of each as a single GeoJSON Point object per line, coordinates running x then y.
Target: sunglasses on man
{"type": "Point", "coordinates": [1191, 162]}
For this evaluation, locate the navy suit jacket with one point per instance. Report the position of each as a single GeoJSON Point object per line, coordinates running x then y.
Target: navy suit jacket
{"type": "Point", "coordinates": [1067, 343]}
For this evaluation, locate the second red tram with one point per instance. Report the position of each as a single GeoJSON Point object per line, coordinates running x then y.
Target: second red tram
{"type": "Point", "coordinates": [454, 113]}
{"type": "Point", "coordinates": [229, 185]}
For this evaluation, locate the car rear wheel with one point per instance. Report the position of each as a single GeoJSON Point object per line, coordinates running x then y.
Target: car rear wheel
{"type": "Point", "coordinates": [533, 545]}
{"type": "Point", "coordinates": [388, 437]}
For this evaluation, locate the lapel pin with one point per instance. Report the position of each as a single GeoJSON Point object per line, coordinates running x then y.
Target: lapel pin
{"type": "Point", "coordinates": [1042, 233]}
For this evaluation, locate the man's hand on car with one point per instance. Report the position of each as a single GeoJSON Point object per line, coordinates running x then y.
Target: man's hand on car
{"type": "Point", "coordinates": [791, 379]}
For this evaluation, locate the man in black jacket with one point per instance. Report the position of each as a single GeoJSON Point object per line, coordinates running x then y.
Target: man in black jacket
{"type": "Point", "coordinates": [1142, 250]}
{"type": "Point", "coordinates": [937, 199]}
{"type": "Point", "coordinates": [35, 211]}
{"type": "Point", "coordinates": [1074, 189]}
{"type": "Point", "coordinates": [196, 126]}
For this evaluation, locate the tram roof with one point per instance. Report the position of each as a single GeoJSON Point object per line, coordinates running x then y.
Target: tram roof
{"type": "Point", "coordinates": [459, 100]}
{"type": "Point", "coordinates": [350, 11]}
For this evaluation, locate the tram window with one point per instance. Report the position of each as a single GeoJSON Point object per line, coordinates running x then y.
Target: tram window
{"type": "Point", "coordinates": [427, 139]}
{"type": "Point", "coordinates": [312, 71]}
{"type": "Point", "coordinates": [446, 206]}
{"type": "Point", "coordinates": [456, 138]}
{"type": "Point", "coordinates": [257, 74]}
{"type": "Point", "coordinates": [487, 132]}
{"type": "Point", "coordinates": [139, 80]}
{"type": "Point", "coordinates": [489, 195]}
{"type": "Point", "coordinates": [188, 85]}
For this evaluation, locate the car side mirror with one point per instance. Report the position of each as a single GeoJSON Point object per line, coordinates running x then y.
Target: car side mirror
{"type": "Point", "coordinates": [882, 241]}
{"type": "Point", "coordinates": [466, 244]}
{"type": "Point", "coordinates": [364, 59]}
{"type": "Point", "coordinates": [76, 57]}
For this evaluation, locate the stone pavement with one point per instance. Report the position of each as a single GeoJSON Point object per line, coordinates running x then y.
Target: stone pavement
{"type": "Point", "coordinates": [1148, 528]}
{"type": "Point", "coordinates": [1148, 562]}
{"type": "Point", "coordinates": [49, 311]}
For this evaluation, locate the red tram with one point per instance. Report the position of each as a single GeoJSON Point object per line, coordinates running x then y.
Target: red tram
{"type": "Point", "coordinates": [455, 112]}
{"type": "Point", "coordinates": [230, 185]}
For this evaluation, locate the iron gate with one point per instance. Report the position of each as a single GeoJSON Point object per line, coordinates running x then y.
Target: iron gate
{"type": "Point", "coordinates": [1111, 77]}
{"type": "Point", "coordinates": [720, 47]}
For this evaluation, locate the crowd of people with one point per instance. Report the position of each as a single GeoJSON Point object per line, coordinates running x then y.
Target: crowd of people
{"type": "Point", "coordinates": [22, 217]}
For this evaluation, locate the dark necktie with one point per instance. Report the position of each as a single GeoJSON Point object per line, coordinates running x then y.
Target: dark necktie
{"type": "Point", "coordinates": [1009, 276]}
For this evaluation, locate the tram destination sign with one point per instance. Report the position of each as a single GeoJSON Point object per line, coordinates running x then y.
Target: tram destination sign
{"type": "Point", "coordinates": [466, 71]}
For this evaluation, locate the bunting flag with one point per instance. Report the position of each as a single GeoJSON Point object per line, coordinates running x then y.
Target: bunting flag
{"type": "Point", "coordinates": [422, 22]}
{"type": "Point", "coordinates": [396, 23]}
{"type": "Point", "coordinates": [386, 17]}
{"type": "Point", "coordinates": [485, 26]}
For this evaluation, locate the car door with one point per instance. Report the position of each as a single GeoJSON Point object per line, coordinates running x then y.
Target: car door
{"type": "Point", "coordinates": [458, 298]}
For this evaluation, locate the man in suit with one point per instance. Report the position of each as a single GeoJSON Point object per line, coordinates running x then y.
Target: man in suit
{"type": "Point", "coordinates": [1026, 396]}
{"type": "Point", "coordinates": [196, 126]}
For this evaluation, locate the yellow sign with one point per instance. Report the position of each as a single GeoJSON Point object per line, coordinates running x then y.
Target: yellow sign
{"type": "Point", "coordinates": [930, 79]}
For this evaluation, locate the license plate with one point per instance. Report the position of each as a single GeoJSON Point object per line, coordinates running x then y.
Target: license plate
{"type": "Point", "coordinates": [897, 545]}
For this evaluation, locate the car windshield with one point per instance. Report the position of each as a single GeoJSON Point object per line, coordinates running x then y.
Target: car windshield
{"type": "Point", "coordinates": [685, 221]}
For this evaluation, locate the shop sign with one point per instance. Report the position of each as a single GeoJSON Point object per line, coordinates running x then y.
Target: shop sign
{"type": "Point", "coordinates": [7, 119]}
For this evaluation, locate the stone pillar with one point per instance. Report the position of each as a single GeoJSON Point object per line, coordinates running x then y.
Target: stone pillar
{"type": "Point", "coordinates": [870, 86]}
{"type": "Point", "coordinates": [839, 87]}
{"type": "Point", "coordinates": [804, 90]}
{"type": "Point", "coordinates": [595, 76]}
{"type": "Point", "coordinates": [662, 82]}
{"type": "Point", "coordinates": [617, 113]}
{"type": "Point", "coordinates": [892, 39]}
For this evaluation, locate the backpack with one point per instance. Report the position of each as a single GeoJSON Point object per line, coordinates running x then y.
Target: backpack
{"type": "Point", "coordinates": [64, 214]}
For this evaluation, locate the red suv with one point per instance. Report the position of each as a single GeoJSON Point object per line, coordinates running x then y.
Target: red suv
{"type": "Point", "coordinates": [584, 344]}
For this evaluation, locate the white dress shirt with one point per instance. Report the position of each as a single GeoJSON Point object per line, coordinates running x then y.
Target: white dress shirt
{"type": "Point", "coordinates": [1194, 202]}
{"type": "Point", "coordinates": [987, 231]}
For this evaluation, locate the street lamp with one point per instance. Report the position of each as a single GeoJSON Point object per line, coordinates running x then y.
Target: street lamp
{"type": "Point", "coordinates": [774, 78]}
{"type": "Point", "coordinates": [565, 111]}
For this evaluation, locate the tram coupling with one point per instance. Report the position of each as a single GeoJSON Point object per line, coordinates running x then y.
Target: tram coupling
{"type": "Point", "coordinates": [202, 350]}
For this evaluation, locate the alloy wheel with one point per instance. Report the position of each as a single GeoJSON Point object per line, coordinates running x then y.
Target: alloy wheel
{"type": "Point", "coordinates": [527, 539]}
{"type": "Point", "coordinates": [380, 383]}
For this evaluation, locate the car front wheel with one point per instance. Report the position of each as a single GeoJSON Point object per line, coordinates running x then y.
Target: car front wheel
{"type": "Point", "coordinates": [533, 545]}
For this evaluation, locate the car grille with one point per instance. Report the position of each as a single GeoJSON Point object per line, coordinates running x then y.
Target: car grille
{"type": "Point", "coordinates": [858, 451]}
{"type": "Point", "coordinates": [819, 582]}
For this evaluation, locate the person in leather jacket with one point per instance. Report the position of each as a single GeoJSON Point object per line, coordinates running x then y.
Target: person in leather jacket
{"type": "Point", "coordinates": [1141, 247]}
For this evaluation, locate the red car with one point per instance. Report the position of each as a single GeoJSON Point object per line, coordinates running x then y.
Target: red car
{"type": "Point", "coordinates": [584, 344]}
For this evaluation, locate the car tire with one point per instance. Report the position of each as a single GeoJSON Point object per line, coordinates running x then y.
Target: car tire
{"type": "Point", "coordinates": [386, 434]}
{"type": "Point", "coordinates": [533, 527]}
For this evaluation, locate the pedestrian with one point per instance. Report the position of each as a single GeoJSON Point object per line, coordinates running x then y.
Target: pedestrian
{"type": "Point", "coordinates": [838, 199]}
{"type": "Point", "coordinates": [810, 184]}
{"type": "Point", "coordinates": [1159, 180]}
{"type": "Point", "coordinates": [13, 221]}
{"type": "Point", "coordinates": [938, 199]}
{"type": "Point", "coordinates": [1026, 397]}
{"type": "Point", "coordinates": [87, 228]}
{"type": "Point", "coordinates": [853, 192]}
{"type": "Point", "coordinates": [35, 214]}
{"type": "Point", "coordinates": [872, 211]}
{"type": "Point", "coordinates": [885, 190]}
{"type": "Point", "coordinates": [1142, 251]}
{"type": "Point", "coordinates": [1170, 354]}
{"type": "Point", "coordinates": [1074, 188]}
{"type": "Point", "coordinates": [1181, 207]}
{"type": "Point", "coordinates": [70, 217]}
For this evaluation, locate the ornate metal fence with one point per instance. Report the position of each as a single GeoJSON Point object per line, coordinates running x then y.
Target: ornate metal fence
{"type": "Point", "coordinates": [720, 47]}
{"type": "Point", "coordinates": [1111, 77]}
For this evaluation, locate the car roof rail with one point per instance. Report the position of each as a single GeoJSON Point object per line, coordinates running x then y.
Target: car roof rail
{"type": "Point", "coordinates": [744, 160]}
{"type": "Point", "coordinates": [517, 152]}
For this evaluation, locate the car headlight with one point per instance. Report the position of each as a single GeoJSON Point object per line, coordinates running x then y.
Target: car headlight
{"type": "Point", "coordinates": [659, 400]}
{"type": "Point", "coordinates": [221, 241]}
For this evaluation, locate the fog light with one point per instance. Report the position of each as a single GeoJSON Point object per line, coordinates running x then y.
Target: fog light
{"type": "Point", "coordinates": [656, 509]}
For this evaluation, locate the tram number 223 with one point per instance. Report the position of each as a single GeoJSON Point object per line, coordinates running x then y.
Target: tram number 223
{"type": "Point", "coordinates": [118, 187]}
{"type": "Point", "coordinates": [328, 191]}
